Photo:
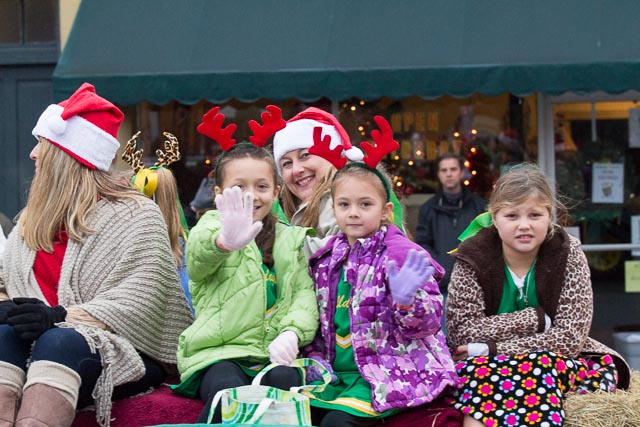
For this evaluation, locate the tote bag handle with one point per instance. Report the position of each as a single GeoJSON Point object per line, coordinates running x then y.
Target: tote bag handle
{"type": "Point", "coordinates": [299, 363]}
{"type": "Point", "coordinates": [214, 403]}
{"type": "Point", "coordinates": [262, 407]}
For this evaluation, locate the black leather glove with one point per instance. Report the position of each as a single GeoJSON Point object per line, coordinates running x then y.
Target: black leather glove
{"type": "Point", "coordinates": [31, 317]}
{"type": "Point", "coordinates": [5, 307]}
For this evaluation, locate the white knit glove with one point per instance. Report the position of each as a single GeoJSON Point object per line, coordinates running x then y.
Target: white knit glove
{"type": "Point", "coordinates": [284, 348]}
{"type": "Point", "coordinates": [236, 216]}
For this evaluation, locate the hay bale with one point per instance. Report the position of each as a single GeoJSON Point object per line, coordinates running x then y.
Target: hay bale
{"type": "Point", "coordinates": [601, 409]}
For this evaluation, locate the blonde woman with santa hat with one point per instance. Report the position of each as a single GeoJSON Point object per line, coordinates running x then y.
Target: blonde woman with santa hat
{"type": "Point", "coordinates": [305, 198]}
{"type": "Point", "coordinates": [90, 301]}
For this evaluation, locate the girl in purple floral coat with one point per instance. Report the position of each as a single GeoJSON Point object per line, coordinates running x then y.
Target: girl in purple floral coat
{"type": "Point", "coordinates": [380, 310]}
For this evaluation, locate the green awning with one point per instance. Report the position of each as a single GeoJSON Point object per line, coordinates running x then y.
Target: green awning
{"type": "Point", "coordinates": [189, 50]}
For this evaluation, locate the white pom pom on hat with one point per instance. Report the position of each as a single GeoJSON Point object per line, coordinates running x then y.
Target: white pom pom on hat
{"type": "Point", "coordinates": [354, 154]}
{"type": "Point", "coordinates": [57, 124]}
{"type": "Point", "coordinates": [85, 126]}
{"type": "Point", "coordinates": [299, 134]}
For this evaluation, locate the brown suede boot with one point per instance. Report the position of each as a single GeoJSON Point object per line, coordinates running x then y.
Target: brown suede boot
{"type": "Point", "coordinates": [8, 401]}
{"type": "Point", "coordinates": [12, 380]}
{"type": "Point", "coordinates": [44, 406]}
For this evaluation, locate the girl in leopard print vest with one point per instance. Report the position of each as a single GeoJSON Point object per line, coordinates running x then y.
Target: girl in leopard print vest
{"type": "Point", "coordinates": [519, 312]}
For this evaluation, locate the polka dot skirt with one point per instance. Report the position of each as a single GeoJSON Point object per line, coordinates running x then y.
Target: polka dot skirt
{"type": "Point", "coordinates": [527, 390]}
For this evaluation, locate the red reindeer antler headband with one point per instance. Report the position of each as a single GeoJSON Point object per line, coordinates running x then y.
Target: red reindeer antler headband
{"type": "Point", "coordinates": [383, 144]}
{"type": "Point", "coordinates": [273, 122]}
{"type": "Point", "coordinates": [212, 126]}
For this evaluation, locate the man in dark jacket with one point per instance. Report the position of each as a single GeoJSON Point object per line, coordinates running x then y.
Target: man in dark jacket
{"type": "Point", "coordinates": [445, 215]}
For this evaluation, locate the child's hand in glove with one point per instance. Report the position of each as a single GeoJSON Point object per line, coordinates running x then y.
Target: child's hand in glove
{"type": "Point", "coordinates": [314, 374]}
{"type": "Point", "coordinates": [284, 349]}
{"type": "Point", "coordinates": [236, 215]}
{"type": "Point", "coordinates": [415, 271]}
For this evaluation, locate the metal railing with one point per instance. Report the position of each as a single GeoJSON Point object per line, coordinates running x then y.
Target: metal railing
{"type": "Point", "coordinates": [611, 247]}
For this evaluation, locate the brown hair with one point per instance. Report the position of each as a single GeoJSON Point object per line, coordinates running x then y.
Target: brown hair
{"type": "Point", "coordinates": [63, 195]}
{"type": "Point", "coordinates": [266, 238]}
{"type": "Point", "coordinates": [447, 156]}
{"type": "Point", "coordinates": [365, 173]}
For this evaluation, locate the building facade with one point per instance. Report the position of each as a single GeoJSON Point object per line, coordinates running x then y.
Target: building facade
{"type": "Point", "coordinates": [555, 84]}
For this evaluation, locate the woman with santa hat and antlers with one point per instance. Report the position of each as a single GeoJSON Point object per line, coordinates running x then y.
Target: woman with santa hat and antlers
{"type": "Point", "coordinates": [89, 295]}
{"type": "Point", "coordinates": [305, 198]}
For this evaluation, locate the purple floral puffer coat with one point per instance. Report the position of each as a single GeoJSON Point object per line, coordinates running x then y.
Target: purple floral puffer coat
{"type": "Point", "coordinates": [401, 352]}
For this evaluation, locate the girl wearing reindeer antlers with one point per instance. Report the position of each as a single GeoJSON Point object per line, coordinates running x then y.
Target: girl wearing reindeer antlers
{"type": "Point", "coordinates": [159, 184]}
{"type": "Point", "coordinates": [90, 298]}
{"type": "Point", "coordinates": [253, 296]}
{"type": "Point", "coordinates": [380, 307]}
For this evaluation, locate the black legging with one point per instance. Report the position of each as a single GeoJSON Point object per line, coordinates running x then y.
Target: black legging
{"type": "Point", "coordinates": [227, 374]}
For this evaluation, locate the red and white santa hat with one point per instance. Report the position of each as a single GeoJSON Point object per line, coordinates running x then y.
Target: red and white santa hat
{"type": "Point", "coordinates": [298, 133]}
{"type": "Point", "coordinates": [85, 126]}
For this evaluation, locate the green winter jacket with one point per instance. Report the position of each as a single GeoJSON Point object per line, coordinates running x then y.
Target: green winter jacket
{"type": "Point", "coordinates": [229, 297]}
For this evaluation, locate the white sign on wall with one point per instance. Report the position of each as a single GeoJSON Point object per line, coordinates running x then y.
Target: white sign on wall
{"type": "Point", "coordinates": [608, 183]}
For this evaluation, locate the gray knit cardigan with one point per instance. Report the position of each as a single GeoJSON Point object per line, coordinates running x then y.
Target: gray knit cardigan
{"type": "Point", "coordinates": [124, 276]}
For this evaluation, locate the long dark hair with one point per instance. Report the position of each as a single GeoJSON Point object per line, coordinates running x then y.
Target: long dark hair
{"type": "Point", "coordinates": [267, 235]}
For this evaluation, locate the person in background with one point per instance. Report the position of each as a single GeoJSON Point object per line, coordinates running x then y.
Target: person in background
{"type": "Point", "coordinates": [252, 292]}
{"type": "Point", "coordinates": [444, 216]}
{"type": "Point", "coordinates": [159, 184]}
{"type": "Point", "coordinates": [203, 200]}
{"type": "Point", "coordinates": [90, 302]}
{"type": "Point", "coordinates": [519, 312]}
{"type": "Point", "coordinates": [380, 305]}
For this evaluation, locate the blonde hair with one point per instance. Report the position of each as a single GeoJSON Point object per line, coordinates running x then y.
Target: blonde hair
{"type": "Point", "coordinates": [62, 197]}
{"type": "Point", "coordinates": [290, 202]}
{"type": "Point", "coordinates": [166, 197]}
{"type": "Point", "coordinates": [521, 182]}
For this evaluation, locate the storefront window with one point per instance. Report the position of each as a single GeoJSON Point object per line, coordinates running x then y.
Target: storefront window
{"type": "Point", "coordinates": [488, 132]}
{"type": "Point", "coordinates": [597, 171]}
